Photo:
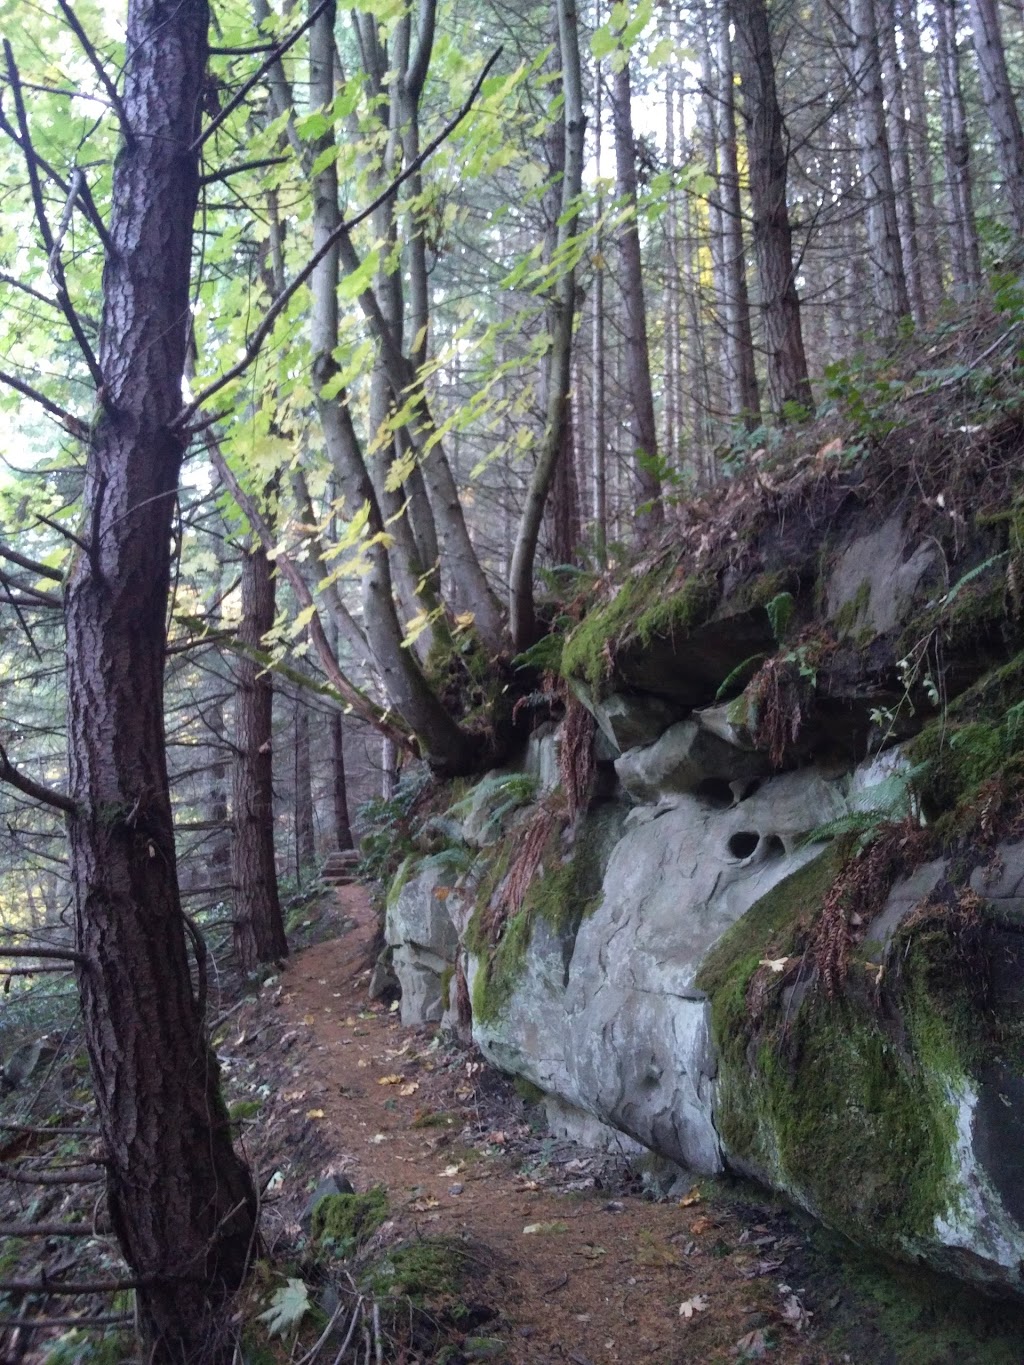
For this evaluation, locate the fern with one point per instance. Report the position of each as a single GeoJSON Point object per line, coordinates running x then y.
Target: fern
{"type": "Point", "coordinates": [971, 575]}
{"type": "Point", "coordinates": [881, 804]}
{"type": "Point", "coordinates": [738, 675]}
{"type": "Point", "coordinates": [780, 613]}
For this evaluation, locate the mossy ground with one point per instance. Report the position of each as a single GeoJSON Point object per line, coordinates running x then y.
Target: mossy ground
{"type": "Point", "coordinates": [342, 1221]}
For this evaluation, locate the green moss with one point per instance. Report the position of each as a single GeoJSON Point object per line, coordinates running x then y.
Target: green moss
{"type": "Point", "coordinates": [434, 1120]}
{"type": "Point", "coordinates": [244, 1109]}
{"type": "Point", "coordinates": [958, 758]}
{"type": "Point", "coordinates": [851, 615]}
{"type": "Point", "coordinates": [646, 606]}
{"type": "Point", "coordinates": [428, 1272]}
{"type": "Point", "coordinates": [405, 871]}
{"type": "Point", "coordinates": [527, 1091]}
{"type": "Point", "coordinates": [496, 979]}
{"type": "Point", "coordinates": [762, 589]}
{"type": "Point", "coordinates": [343, 1221]}
{"type": "Point", "coordinates": [565, 890]}
{"type": "Point", "coordinates": [852, 1117]}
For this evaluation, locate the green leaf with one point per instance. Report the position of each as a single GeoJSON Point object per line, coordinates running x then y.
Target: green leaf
{"type": "Point", "coordinates": [288, 1306]}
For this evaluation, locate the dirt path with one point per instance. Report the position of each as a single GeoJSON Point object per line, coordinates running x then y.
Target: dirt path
{"type": "Point", "coordinates": [612, 1277]}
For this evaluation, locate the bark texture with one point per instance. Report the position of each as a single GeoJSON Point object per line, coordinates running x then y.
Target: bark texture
{"type": "Point", "coordinates": [258, 926]}
{"type": "Point", "coordinates": [182, 1202]}
{"type": "Point", "coordinates": [1001, 105]}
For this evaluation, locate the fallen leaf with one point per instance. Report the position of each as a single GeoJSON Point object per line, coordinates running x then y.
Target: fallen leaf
{"type": "Point", "coordinates": [795, 1313]}
{"type": "Point", "coordinates": [307, 1019]}
{"type": "Point", "coordinates": [422, 1205]}
{"type": "Point", "coordinates": [378, 1138]}
{"type": "Point", "coordinates": [700, 1226]}
{"type": "Point", "coordinates": [362, 1062]}
{"type": "Point", "coordinates": [314, 1113]}
{"type": "Point", "coordinates": [394, 1079]}
{"type": "Point", "coordinates": [777, 964]}
{"type": "Point", "coordinates": [591, 1252]}
{"type": "Point", "coordinates": [496, 1139]}
{"type": "Point", "coordinates": [695, 1305]}
{"type": "Point", "coordinates": [751, 1347]}
{"type": "Point", "coordinates": [544, 1229]}
{"type": "Point", "coordinates": [688, 1200]}
{"type": "Point", "coordinates": [409, 1089]}
{"type": "Point", "coordinates": [394, 1006]}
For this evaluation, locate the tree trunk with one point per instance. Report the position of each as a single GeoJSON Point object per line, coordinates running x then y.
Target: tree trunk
{"type": "Point", "coordinates": [773, 233]}
{"type": "Point", "coordinates": [305, 826]}
{"type": "Point", "coordinates": [181, 1201]}
{"type": "Point", "coordinates": [598, 435]}
{"type": "Point", "coordinates": [965, 258]}
{"type": "Point", "coordinates": [999, 101]}
{"type": "Point", "coordinates": [920, 155]}
{"type": "Point", "coordinates": [258, 927]}
{"type": "Point", "coordinates": [741, 375]}
{"type": "Point", "coordinates": [889, 280]}
{"type": "Point", "coordinates": [522, 617]}
{"type": "Point", "coordinates": [898, 131]}
{"type": "Point", "coordinates": [650, 515]}
{"type": "Point", "coordinates": [339, 785]}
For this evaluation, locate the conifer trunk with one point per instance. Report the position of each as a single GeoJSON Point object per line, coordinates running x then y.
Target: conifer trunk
{"type": "Point", "coordinates": [182, 1202]}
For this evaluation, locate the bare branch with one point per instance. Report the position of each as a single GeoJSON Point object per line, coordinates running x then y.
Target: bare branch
{"type": "Point", "coordinates": [34, 1324]}
{"type": "Point", "coordinates": [98, 67]}
{"type": "Point", "coordinates": [71, 424]}
{"type": "Point", "coordinates": [48, 1178]}
{"type": "Point", "coordinates": [277, 307]}
{"type": "Point", "coordinates": [44, 1285]}
{"type": "Point", "coordinates": [30, 565]}
{"type": "Point", "coordinates": [58, 954]}
{"type": "Point", "coordinates": [242, 166]}
{"type": "Point", "coordinates": [10, 774]}
{"type": "Point", "coordinates": [47, 1230]}
{"type": "Point", "coordinates": [52, 249]}
{"type": "Point", "coordinates": [257, 76]}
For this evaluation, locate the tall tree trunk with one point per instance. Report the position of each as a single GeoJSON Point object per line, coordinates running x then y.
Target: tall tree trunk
{"type": "Point", "coordinates": [773, 233]}
{"type": "Point", "coordinates": [305, 825]}
{"type": "Point", "coordinates": [1001, 106]}
{"type": "Point", "coordinates": [898, 131]}
{"type": "Point", "coordinates": [339, 785]}
{"type": "Point", "coordinates": [181, 1201]}
{"type": "Point", "coordinates": [258, 926]}
{"type": "Point", "coordinates": [522, 616]}
{"type": "Point", "coordinates": [650, 515]}
{"type": "Point", "coordinates": [741, 374]}
{"type": "Point", "coordinates": [965, 258]}
{"type": "Point", "coordinates": [920, 154]}
{"type": "Point", "coordinates": [599, 439]}
{"type": "Point", "coordinates": [890, 283]}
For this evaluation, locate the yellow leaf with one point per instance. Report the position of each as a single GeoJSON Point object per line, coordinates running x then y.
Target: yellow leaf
{"type": "Point", "coordinates": [314, 1113]}
{"type": "Point", "coordinates": [409, 1089]}
{"type": "Point", "coordinates": [390, 1080]}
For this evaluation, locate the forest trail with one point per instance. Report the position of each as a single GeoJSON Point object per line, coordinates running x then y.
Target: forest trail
{"type": "Point", "coordinates": [611, 1276]}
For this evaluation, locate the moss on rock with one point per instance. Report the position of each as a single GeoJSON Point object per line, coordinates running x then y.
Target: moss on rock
{"type": "Point", "coordinates": [646, 606]}
{"type": "Point", "coordinates": [848, 1105]}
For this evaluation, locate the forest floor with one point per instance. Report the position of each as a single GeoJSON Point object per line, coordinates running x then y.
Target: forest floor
{"type": "Point", "coordinates": [576, 1261]}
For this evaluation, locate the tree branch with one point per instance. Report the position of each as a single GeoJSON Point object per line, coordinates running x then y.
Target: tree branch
{"type": "Point", "coordinates": [52, 247]}
{"type": "Point", "coordinates": [11, 775]}
{"type": "Point", "coordinates": [277, 307]}
{"type": "Point", "coordinates": [57, 954]}
{"type": "Point", "coordinates": [98, 67]}
{"type": "Point", "coordinates": [256, 77]}
{"type": "Point", "coordinates": [71, 424]}
{"type": "Point", "coordinates": [30, 565]}
{"type": "Point", "coordinates": [242, 166]}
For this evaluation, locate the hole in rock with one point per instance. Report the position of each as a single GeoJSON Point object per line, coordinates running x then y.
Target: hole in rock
{"type": "Point", "coordinates": [743, 843]}
{"type": "Point", "coordinates": [754, 785]}
{"type": "Point", "coordinates": [715, 791]}
{"type": "Point", "coordinates": [773, 846]}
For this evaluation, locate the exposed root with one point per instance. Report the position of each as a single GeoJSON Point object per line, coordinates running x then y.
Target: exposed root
{"type": "Point", "coordinates": [859, 894]}
{"type": "Point", "coordinates": [508, 900]}
{"type": "Point", "coordinates": [779, 695]}
{"type": "Point", "coordinates": [576, 756]}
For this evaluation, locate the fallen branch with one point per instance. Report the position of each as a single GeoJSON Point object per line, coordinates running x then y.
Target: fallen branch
{"type": "Point", "coordinates": [48, 1230]}
{"type": "Point", "coordinates": [48, 1178]}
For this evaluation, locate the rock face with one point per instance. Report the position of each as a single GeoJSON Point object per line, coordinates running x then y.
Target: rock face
{"type": "Point", "coordinates": [666, 979]}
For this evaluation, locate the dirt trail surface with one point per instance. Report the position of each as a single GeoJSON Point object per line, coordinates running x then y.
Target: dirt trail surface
{"type": "Point", "coordinates": [577, 1265]}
